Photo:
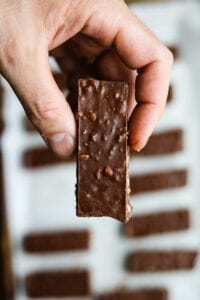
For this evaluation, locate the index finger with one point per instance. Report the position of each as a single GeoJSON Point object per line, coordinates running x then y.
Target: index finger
{"type": "Point", "coordinates": [140, 49]}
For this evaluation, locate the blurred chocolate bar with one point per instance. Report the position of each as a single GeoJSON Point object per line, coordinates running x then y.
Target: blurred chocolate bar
{"type": "Point", "coordinates": [68, 240]}
{"type": "Point", "coordinates": [156, 181]}
{"type": "Point", "coordinates": [161, 261]}
{"type": "Point", "coordinates": [72, 283]}
{"type": "Point", "coordinates": [155, 223]}
{"type": "Point", "coordinates": [141, 294]}
{"type": "Point", "coordinates": [162, 143]}
{"type": "Point", "coordinates": [42, 157]}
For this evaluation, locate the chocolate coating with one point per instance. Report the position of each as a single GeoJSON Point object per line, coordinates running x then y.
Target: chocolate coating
{"type": "Point", "coordinates": [161, 222]}
{"type": "Point", "coordinates": [42, 157]}
{"type": "Point", "coordinates": [143, 294]}
{"type": "Point", "coordinates": [154, 261]}
{"type": "Point", "coordinates": [68, 240]}
{"type": "Point", "coordinates": [158, 181]}
{"type": "Point", "coordinates": [103, 185]}
{"type": "Point", "coordinates": [163, 143]}
{"type": "Point", "coordinates": [58, 284]}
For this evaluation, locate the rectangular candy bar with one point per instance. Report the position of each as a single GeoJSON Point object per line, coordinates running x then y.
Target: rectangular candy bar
{"type": "Point", "coordinates": [103, 181]}
{"type": "Point", "coordinates": [166, 142]}
{"type": "Point", "coordinates": [69, 240]}
{"type": "Point", "coordinates": [142, 294]}
{"type": "Point", "coordinates": [156, 223]}
{"type": "Point", "coordinates": [41, 157]}
{"type": "Point", "coordinates": [158, 181]}
{"type": "Point", "coordinates": [155, 261]}
{"type": "Point", "coordinates": [73, 283]}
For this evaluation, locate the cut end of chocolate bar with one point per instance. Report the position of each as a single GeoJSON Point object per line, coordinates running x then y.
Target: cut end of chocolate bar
{"type": "Point", "coordinates": [103, 156]}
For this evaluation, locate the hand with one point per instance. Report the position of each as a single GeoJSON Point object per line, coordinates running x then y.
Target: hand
{"type": "Point", "coordinates": [105, 32]}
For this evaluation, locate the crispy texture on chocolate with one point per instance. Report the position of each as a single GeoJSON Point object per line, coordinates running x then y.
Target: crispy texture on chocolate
{"type": "Point", "coordinates": [166, 142]}
{"type": "Point", "coordinates": [41, 157]}
{"type": "Point", "coordinates": [103, 185]}
{"type": "Point", "coordinates": [160, 222]}
{"type": "Point", "coordinates": [69, 240]}
{"type": "Point", "coordinates": [58, 284]}
{"type": "Point", "coordinates": [143, 294]}
{"type": "Point", "coordinates": [155, 261]}
{"type": "Point", "coordinates": [158, 181]}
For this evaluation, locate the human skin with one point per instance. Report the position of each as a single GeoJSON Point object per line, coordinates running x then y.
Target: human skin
{"type": "Point", "coordinates": [103, 30]}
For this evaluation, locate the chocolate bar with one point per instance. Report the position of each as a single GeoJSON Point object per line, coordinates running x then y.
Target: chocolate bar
{"type": "Point", "coordinates": [103, 185]}
{"type": "Point", "coordinates": [41, 157]}
{"type": "Point", "coordinates": [158, 181]}
{"type": "Point", "coordinates": [155, 261]}
{"type": "Point", "coordinates": [160, 222]}
{"type": "Point", "coordinates": [73, 283]}
{"type": "Point", "coordinates": [167, 142]}
{"type": "Point", "coordinates": [69, 240]}
{"type": "Point", "coordinates": [143, 294]}
{"type": "Point", "coordinates": [61, 80]}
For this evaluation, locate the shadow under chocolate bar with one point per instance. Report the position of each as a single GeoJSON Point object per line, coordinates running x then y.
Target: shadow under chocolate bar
{"type": "Point", "coordinates": [161, 261]}
{"type": "Point", "coordinates": [58, 284]}
{"type": "Point", "coordinates": [156, 223]}
{"type": "Point", "coordinates": [41, 157]}
{"type": "Point", "coordinates": [69, 240]}
{"type": "Point", "coordinates": [161, 143]}
{"type": "Point", "coordinates": [158, 181]}
{"type": "Point", "coordinates": [143, 294]}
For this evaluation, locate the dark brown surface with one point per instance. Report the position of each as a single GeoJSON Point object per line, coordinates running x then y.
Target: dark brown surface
{"type": "Point", "coordinates": [155, 261]}
{"type": "Point", "coordinates": [61, 80]}
{"type": "Point", "coordinates": [167, 142]}
{"type": "Point", "coordinates": [58, 284]}
{"type": "Point", "coordinates": [158, 181]}
{"type": "Point", "coordinates": [156, 223]}
{"type": "Point", "coordinates": [69, 240]}
{"type": "Point", "coordinates": [102, 150]}
{"type": "Point", "coordinates": [170, 95]}
{"type": "Point", "coordinates": [143, 294]}
{"type": "Point", "coordinates": [41, 157]}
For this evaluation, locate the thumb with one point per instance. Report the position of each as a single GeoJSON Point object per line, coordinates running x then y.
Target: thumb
{"type": "Point", "coordinates": [44, 103]}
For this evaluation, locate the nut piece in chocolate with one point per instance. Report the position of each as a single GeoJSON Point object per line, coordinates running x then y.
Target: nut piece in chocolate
{"type": "Point", "coordinates": [102, 167]}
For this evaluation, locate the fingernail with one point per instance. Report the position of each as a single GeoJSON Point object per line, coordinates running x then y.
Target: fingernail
{"type": "Point", "coordinates": [62, 143]}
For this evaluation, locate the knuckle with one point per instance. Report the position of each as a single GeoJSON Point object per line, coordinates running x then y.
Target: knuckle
{"type": "Point", "coordinates": [45, 113]}
{"type": "Point", "coordinates": [8, 51]}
